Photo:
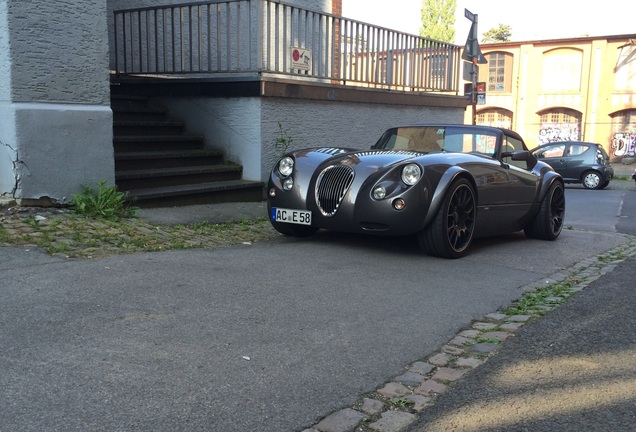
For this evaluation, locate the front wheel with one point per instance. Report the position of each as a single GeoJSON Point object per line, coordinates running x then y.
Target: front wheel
{"type": "Point", "coordinates": [294, 230]}
{"type": "Point", "coordinates": [450, 234]}
{"type": "Point", "coordinates": [592, 180]}
{"type": "Point", "coordinates": [548, 222]}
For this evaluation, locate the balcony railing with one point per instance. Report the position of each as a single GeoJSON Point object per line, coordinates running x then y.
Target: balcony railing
{"type": "Point", "coordinates": [221, 38]}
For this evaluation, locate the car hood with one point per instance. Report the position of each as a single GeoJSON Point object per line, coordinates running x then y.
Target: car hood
{"type": "Point", "coordinates": [357, 159]}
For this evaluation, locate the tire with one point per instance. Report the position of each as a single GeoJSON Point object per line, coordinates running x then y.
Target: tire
{"type": "Point", "coordinates": [592, 180]}
{"type": "Point", "coordinates": [604, 185]}
{"type": "Point", "coordinates": [294, 230]}
{"type": "Point", "coordinates": [450, 233]}
{"type": "Point", "coordinates": [548, 222]}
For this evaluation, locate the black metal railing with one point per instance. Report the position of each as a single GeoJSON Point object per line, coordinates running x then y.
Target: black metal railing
{"type": "Point", "coordinates": [229, 37]}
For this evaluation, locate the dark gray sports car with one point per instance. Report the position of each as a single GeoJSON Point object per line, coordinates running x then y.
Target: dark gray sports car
{"type": "Point", "coordinates": [446, 184]}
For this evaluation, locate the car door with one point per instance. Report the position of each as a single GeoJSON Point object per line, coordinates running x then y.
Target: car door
{"type": "Point", "coordinates": [555, 156]}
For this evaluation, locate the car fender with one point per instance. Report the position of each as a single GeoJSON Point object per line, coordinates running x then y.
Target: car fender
{"type": "Point", "coordinates": [444, 183]}
{"type": "Point", "coordinates": [549, 176]}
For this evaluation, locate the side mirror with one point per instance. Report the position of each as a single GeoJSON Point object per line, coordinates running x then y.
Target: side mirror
{"type": "Point", "coordinates": [521, 155]}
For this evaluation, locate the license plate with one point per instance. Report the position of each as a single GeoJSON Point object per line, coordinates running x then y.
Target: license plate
{"type": "Point", "coordinates": [302, 217]}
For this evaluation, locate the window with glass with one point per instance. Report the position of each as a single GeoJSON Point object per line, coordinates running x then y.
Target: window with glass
{"type": "Point", "coordinates": [496, 117]}
{"type": "Point", "coordinates": [626, 68]}
{"type": "Point", "coordinates": [559, 124]}
{"type": "Point", "coordinates": [497, 73]}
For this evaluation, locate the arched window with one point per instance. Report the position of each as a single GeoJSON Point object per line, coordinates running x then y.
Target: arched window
{"type": "Point", "coordinates": [562, 70]}
{"type": "Point", "coordinates": [559, 124]}
{"type": "Point", "coordinates": [497, 117]}
{"type": "Point", "coordinates": [497, 74]}
{"type": "Point", "coordinates": [623, 134]}
{"type": "Point", "coordinates": [625, 70]}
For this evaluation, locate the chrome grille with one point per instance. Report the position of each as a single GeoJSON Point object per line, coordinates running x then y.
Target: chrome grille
{"type": "Point", "coordinates": [331, 187]}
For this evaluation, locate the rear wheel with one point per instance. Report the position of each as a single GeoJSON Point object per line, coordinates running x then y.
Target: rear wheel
{"type": "Point", "coordinates": [294, 230]}
{"type": "Point", "coordinates": [450, 234]}
{"type": "Point", "coordinates": [604, 184]}
{"type": "Point", "coordinates": [548, 222]}
{"type": "Point", "coordinates": [592, 180]}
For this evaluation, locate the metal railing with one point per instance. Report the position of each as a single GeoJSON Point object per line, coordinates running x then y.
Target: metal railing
{"type": "Point", "coordinates": [229, 37]}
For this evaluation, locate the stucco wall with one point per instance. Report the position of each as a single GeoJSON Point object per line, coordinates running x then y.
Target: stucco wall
{"type": "Point", "coordinates": [246, 128]}
{"type": "Point", "coordinates": [55, 117]}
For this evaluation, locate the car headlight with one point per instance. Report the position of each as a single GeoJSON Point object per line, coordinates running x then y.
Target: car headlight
{"type": "Point", "coordinates": [286, 166]}
{"type": "Point", "coordinates": [379, 192]}
{"type": "Point", "coordinates": [411, 174]}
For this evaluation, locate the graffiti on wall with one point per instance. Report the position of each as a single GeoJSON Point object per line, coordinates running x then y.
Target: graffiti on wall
{"type": "Point", "coordinates": [623, 144]}
{"type": "Point", "coordinates": [559, 132]}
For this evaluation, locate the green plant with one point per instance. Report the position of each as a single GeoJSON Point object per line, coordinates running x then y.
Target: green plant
{"type": "Point", "coordinates": [401, 403]}
{"type": "Point", "coordinates": [283, 141]}
{"type": "Point", "coordinates": [103, 202]}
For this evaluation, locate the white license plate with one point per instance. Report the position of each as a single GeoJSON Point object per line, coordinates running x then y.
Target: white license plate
{"type": "Point", "coordinates": [302, 217]}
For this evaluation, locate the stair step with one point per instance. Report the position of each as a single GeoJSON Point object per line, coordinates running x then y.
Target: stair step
{"type": "Point", "coordinates": [132, 143]}
{"type": "Point", "coordinates": [146, 178]}
{"type": "Point", "coordinates": [204, 193]}
{"type": "Point", "coordinates": [130, 128]}
{"type": "Point", "coordinates": [166, 159]}
{"type": "Point", "coordinates": [159, 164]}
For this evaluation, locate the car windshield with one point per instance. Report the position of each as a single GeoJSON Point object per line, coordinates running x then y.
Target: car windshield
{"type": "Point", "coordinates": [429, 139]}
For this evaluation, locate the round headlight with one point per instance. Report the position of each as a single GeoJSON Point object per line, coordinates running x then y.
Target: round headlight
{"type": "Point", "coordinates": [379, 192]}
{"type": "Point", "coordinates": [288, 184]}
{"type": "Point", "coordinates": [286, 166]}
{"type": "Point", "coordinates": [411, 174]}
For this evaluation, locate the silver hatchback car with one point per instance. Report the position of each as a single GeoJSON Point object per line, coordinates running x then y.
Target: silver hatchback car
{"type": "Point", "coordinates": [578, 162]}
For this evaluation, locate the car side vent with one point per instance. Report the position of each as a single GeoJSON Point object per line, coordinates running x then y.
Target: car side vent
{"type": "Point", "coordinates": [331, 187]}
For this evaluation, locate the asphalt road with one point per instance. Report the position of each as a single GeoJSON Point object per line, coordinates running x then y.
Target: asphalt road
{"type": "Point", "coordinates": [265, 337]}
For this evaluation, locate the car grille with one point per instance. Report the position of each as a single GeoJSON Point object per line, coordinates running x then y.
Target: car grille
{"type": "Point", "coordinates": [331, 187]}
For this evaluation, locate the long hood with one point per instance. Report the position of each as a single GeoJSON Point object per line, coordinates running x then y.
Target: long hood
{"type": "Point", "coordinates": [357, 159]}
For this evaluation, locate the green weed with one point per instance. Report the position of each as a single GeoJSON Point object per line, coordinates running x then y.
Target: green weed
{"type": "Point", "coordinates": [102, 202]}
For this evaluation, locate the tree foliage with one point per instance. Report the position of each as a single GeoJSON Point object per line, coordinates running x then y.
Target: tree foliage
{"type": "Point", "coordinates": [438, 20]}
{"type": "Point", "coordinates": [498, 34]}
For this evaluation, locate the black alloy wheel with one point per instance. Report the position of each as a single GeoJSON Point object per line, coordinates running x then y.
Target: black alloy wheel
{"type": "Point", "coordinates": [451, 232]}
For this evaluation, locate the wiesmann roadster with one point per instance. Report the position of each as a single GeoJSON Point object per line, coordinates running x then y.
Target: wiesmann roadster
{"type": "Point", "coordinates": [445, 184]}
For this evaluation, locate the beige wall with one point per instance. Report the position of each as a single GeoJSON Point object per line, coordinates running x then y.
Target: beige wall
{"type": "Point", "coordinates": [583, 75]}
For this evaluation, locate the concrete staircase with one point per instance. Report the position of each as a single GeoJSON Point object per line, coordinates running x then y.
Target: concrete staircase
{"type": "Point", "coordinates": [160, 165]}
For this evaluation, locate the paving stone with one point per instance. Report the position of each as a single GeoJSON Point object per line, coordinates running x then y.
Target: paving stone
{"type": "Point", "coordinates": [372, 406]}
{"type": "Point", "coordinates": [421, 368]}
{"type": "Point", "coordinates": [345, 420]}
{"type": "Point", "coordinates": [511, 327]}
{"type": "Point", "coordinates": [461, 341]}
{"type": "Point", "coordinates": [496, 316]}
{"type": "Point", "coordinates": [410, 379]}
{"type": "Point", "coordinates": [429, 387]}
{"type": "Point", "coordinates": [393, 421]}
{"type": "Point", "coordinates": [419, 402]}
{"type": "Point", "coordinates": [441, 359]}
{"type": "Point", "coordinates": [394, 389]}
{"type": "Point", "coordinates": [469, 362]}
{"type": "Point", "coordinates": [519, 318]}
{"type": "Point", "coordinates": [502, 335]}
{"type": "Point", "coordinates": [484, 347]}
{"type": "Point", "coordinates": [449, 349]}
{"type": "Point", "coordinates": [448, 374]}
{"type": "Point", "coordinates": [484, 326]}
{"type": "Point", "coordinates": [469, 333]}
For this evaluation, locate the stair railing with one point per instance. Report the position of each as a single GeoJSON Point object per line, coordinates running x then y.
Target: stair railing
{"type": "Point", "coordinates": [243, 38]}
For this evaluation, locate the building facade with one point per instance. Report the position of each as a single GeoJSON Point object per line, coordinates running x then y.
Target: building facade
{"type": "Point", "coordinates": [567, 89]}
